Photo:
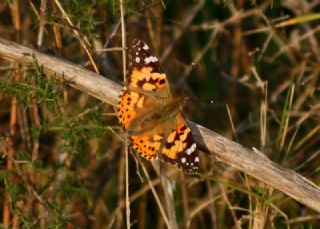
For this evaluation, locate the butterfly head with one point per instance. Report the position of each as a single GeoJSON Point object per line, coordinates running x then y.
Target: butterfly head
{"type": "Point", "coordinates": [182, 101]}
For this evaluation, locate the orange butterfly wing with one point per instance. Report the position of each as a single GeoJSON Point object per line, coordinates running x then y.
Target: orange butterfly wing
{"type": "Point", "coordinates": [150, 114]}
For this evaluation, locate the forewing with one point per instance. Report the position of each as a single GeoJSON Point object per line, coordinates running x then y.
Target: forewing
{"type": "Point", "coordinates": [146, 87]}
{"type": "Point", "coordinates": [144, 69]}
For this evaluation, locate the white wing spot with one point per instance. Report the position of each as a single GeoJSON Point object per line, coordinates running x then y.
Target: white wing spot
{"type": "Point", "coordinates": [137, 59]}
{"type": "Point", "coordinates": [196, 159]}
{"type": "Point", "coordinates": [183, 160]}
{"type": "Point", "coordinates": [139, 49]}
{"type": "Point", "coordinates": [137, 53]}
{"type": "Point", "coordinates": [149, 59]}
{"type": "Point", "coordinates": [145, 47]}
{"type": "Point", "coordinates": [191, 149]}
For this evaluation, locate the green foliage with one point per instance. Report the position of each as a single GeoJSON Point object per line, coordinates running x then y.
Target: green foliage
{"type": "Point", "coordinates": [68, 125]}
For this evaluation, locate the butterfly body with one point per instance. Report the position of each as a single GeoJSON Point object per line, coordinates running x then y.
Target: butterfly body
{"type": "Point", "coordinates": [151, 115]}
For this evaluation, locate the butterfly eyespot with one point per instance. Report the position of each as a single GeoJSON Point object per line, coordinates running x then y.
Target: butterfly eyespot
{"type": "Point", "coordinates": [162, 81]}
{"type": "Point", "coordinates": [183, 128]}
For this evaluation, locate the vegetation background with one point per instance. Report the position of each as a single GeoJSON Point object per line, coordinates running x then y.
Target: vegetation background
{"type": "Point", "coordinates": [251, 71]}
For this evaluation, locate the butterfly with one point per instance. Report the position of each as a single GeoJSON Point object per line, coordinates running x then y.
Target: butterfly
{"type": "Point", "coordinates": [150, 114]}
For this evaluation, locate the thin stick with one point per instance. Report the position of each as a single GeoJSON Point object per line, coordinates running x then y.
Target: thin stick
{"type": "Point", "coordinates": [123, 36]}
{"type": "Point", "coordinates": [43, 8]}
{"type": "Point", "coordinates": [84, 43]}
{"type": "Point", "coordinates": [231, 123]}
{"type": "Point", "coordinates": [167, 187]}
{"type": "Point", "coordinates": [165, 218]}
{"type": "Point", "coordinates": [127, 181]}
{"type": "Point", "coordinates": [251, 162]}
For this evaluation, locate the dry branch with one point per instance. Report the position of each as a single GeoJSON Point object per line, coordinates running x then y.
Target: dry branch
{"type": "Point", "coordinates": [251, 162]}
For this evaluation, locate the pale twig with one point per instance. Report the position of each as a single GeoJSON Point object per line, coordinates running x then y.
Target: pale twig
{"type": "Point", "coordinates": [84, 43]}
{"type": "Point", "coordinates": [124, 64]}
{"type": "Point", "coordinates": [168, 188]}
{"type": "Point", "coordinates": [287, 118]}
{"type": "Point", "coordinates": [163, 213]}
{"type": "Point", "coordinates": [123, 40]}
{"type": "Point", "coordinates": [42, 18]}
{"type": "Point", "coordinates": [231, 122]}
{"type": "Point", "coordinates": [223, 149]}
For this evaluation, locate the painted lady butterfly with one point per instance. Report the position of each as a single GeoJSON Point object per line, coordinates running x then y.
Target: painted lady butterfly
{"type": "Point", "coordinates": [151, 115]}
